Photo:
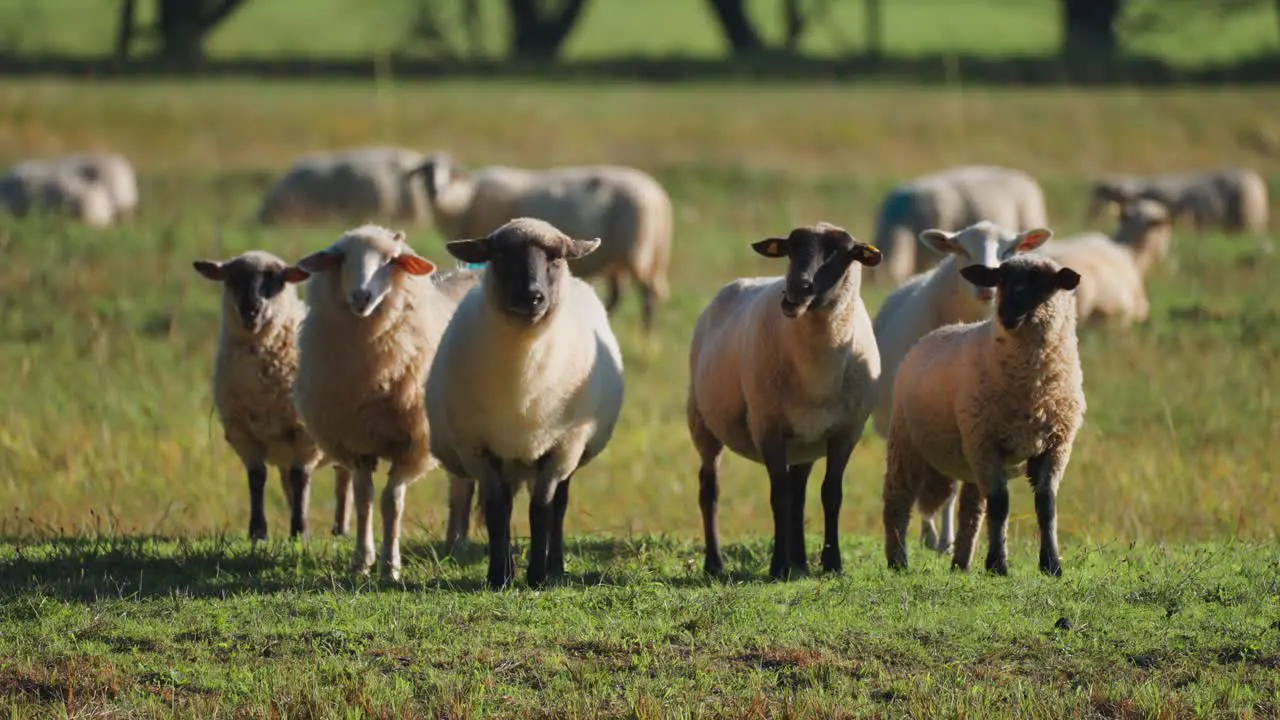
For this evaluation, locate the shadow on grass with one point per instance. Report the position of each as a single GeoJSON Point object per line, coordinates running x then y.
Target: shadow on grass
{"type": "Point", "coordinates": [88, 569]}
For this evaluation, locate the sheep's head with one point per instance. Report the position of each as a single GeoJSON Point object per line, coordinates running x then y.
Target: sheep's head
{"type": "Point", "coordinates": [527, 264]}
{"type": "Point", "coordinates": [984, 243]}
{"type": "Point", "coordinates": [1112, 193]}
{"type": "Point", "coordinates": [819, 255]}
{"type": "Point", "coordinates": [439, 173]}
{"type": "Point", "coordinates": [369, 258]}
{"type": "Point", "coordinates": [1024, 285]}
{"type": "Point", "coordinates": [1147, 227]}
{"type": "Point", "coordinates": [252, 283]}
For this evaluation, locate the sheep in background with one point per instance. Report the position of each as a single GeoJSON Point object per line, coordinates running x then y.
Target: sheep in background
{"type": "Point", "coordinates": [1233, 199]}
{"type": "Point", "coordinates": [58, 187]}
{"type": "Point", "coordinates": [934, 299]}
{"type": "Point", "coordinates": [368, 340]}
{"type": "Point", "coordinates": [950, 200]}
{"type": "Point", "coordinates": [982, 402]}
{"type": "Point", "coordinates": [352, 185]}
{"type": "Point", "coordinates": [783, 371]}
{"type": "Point", "coordinates": [1113, 272]}
{"type": "Point", "coordinates": [253, 374]}
{"type": "Point", "coordinates": [526, 387]}
{"type": "Point", "coordinates": [626, 208]}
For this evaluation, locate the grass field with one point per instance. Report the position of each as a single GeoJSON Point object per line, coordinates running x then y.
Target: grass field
{"type": "Point", "coordinates": [354, 28]}
{"type": "Point", "coordinates": [107, 439]}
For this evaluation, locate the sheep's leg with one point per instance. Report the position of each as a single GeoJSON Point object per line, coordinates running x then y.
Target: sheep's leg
{"type": "Point", "coordinates": [362, 479]}
{"type": "Point", "coordinates": [615, 293]}
{"type": "Point", "coordinates": [555, 554]}
{"type": "Point", "coordinates": [709, 449]}
{"type": "Point", "coordinates": [899, 496]}
{"type": "Point", "coordinates": [392, 513]}
{"type": "Point", "coordinates": [775, 461]}
{"type": "Point", "coordinates": [541, 513]}
{"type": "Point", "coordinates": [342, 500]}
{"type": "Point", "coordinates": [496, 496]}
{"type": "Point", "coordinates": [257, 516]}
{"type": "Point", "coordinates": [299, 499]}
{"type": "Point", "coordinates": [998, 523]}
{"type": "Point", "coordinates": [972, 507]}
{"type": "Point", "coordinates": [928, 533]}
{"type": "Point", "coordinates": [947, 516]}
{"type": "Point", "coordinates": [795, 546]}
{"type": "Point", "coordinates": [461, 492]}
{"type": "Point", "coordinates": [1045, 472]}
{"type": "Point", "coordinates": [648, 303]}
{"type": "Point", "coordinates": [838, 452]}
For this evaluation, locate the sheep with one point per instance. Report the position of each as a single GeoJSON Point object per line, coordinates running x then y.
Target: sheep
{"type": "Point", "coordinates": [783, 371]}
{"type": "Point", "coordinates": [114, 172]}
{"type": "Point", "coordinates": [975, 402]}
{"type": "Point", "coordinates": [624, 206]}
{"type": "Point", "coordinates": [354, 184]}
{"type": "Point", "coordinates": [950, 200]}
{"type": "Point", "coordinates": [1233, 199]}
{"type": "Point", "coordinates": [370, 334]}
{"type": "Point", "coordinates": [56, 186]}
{"type": "Point", "coordinates": [526, 387]}
{"type": "Point", "coordinates": [256, 361]}
{"type": "Point", "coordinates": [936, 298]}
{"type": "Point", "coordinates": [1113, 272]}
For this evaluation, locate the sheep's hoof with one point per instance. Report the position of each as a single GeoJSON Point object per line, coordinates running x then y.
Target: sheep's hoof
{"type": "Point", "coordinates": [942, 548]}
{"type": "Point", "coordinates": [713, 566]}
{"type": "Point", "coordinates": [898, 565]}
{"type": "Point", "coordinates": [1051, 567]}
{"type": "Point", "coordinates": [929, 537]}
{"type": "Point", "coordinates": [257, 533]}
{"type": "Point", "coordinates": [339, 531]}
{"type": "Point", "coordinates": [998, 566]}
{"type": "Point", "coordinates": [831, 561]}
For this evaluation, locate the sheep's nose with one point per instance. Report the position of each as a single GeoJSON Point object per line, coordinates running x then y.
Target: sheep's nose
{"type": "Point", "coordinates": [536, 297]}
{"type": "Point", "coordinates": [360, 298]}
{"type": "Point", "coordinates": [804, 286]}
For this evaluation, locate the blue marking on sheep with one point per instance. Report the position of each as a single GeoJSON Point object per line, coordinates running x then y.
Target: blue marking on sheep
{"type": "Point", "coordinates": [895, 206]}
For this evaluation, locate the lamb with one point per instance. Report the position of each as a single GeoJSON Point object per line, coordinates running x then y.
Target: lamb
{"type": "Point", "coordinates": [1113, 272]}
{"type": "Point", "coordinates": [783, 371]}
{"type": "Point", "coordinates": [936, 298]}
{"type": "Point", "coordinates": [58, 187]}
{"type": "Point", "coordinates": [526, 387]}
{"type": "Point", "coordinates": [624, 206]}
{"type": "Point", "coordinates": [353, 185]}
{"type": "Point", "coordinates": [116, 175]}
{"type": "Point", "coordinates": [1233, 199]}
{"type": "Point", "coordinates": [950, 200]}
{"type": "Point", "coordinates": [372, 329]}
{"type": "Point", "coordinates": [975, 402]}
{"type": "Point", "coordinates": [253, 373]}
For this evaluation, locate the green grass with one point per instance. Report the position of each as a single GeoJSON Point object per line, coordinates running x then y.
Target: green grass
{"type": "Point", "coordinates": [654, 27]}
{"type": "Point", "coordinates": [1168, 512]}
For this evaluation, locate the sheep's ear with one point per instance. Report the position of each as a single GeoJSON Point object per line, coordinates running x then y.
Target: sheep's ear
{"type": "Point", "coordinates": [574, 249]}
{"type": "Point", "coordinates": [472, 251]}
{"type": "Point", "coordinates": [774, 247]}
{"type": "Point", "coordinates": [398, 236]}
{"type": "Point", "coordinates": [981, 275]}
{"type": "Point", "coordinates": [321, 261]}
{"type": "Point", "coordinates": [942, 241]}
{"type": "Point", "coordinates": [210, 269]}
{"type": "Point", "coordinates": [867, 254]}
{"type": "Point", "coordinates": [1032, 239]}
{"type": "Point", "coordinates": [414, 264]}
{"type": "Point", "coordinates": [1067, 279]}
{"type": "Point", "coordinates": [295, 274]}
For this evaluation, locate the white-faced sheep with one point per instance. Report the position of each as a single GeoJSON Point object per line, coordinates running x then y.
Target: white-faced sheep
{"type": "Point", "coordinates": [934, 299]}
{"type": "Point", "coordinates": [526, 387]}
{"type": "Point", "coordinates": [950, 200]}
{"type": "Point", "coordinates": [1113, 272]}
{"type": "Point", "coordinates": [368, 340]}
{"type": "Point", "coordinates": [982, 402]}
{"type": "Point", "coordinates": [783, 371]}
{"type": "Point", "coordinates": [253, 374]}
{"type": "Point", "coordinates": [1233, 199]}
{"type": "Point", "coordinates": [626, 208]}
{"type": "Point", "coordinates": [56, 187]}
{"type": "Point", "coordinates": [354, 185]}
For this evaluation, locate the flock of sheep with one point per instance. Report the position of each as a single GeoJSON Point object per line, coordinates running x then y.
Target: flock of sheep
{"type": "Point", "coordinates": [506, 373]}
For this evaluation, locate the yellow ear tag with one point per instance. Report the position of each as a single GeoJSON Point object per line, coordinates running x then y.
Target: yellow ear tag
{"type": "Point", "coordinates": [873, 248]}
{"type": "Point", "coordinates": [1113, 208]}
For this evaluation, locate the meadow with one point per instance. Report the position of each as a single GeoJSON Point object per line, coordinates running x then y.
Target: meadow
{"type": "Point", "coordinates": [127, 584]}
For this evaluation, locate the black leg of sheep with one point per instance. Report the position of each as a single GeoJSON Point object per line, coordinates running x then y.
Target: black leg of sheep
{"type": "Point", "coordinates": [838, 452]}
{"type": "Point", "coordinates": [497, 515]}
{"type": "Point", "coordinates": [299, 497]}
{"type": "Point", "coordinates": [799, 485]}
{"type": "Point", "coordinates": [257, 516]}
{"type": "Point", "coordinates": [775, 461]}
{"type": "Point", "coordinates": [555, 553]}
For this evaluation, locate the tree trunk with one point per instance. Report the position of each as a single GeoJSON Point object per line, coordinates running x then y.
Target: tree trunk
{"type": "Point", "coordinates": [183, 24]}
{"type": "Point", "coordinates": [538, 35]}
{"type": "Point", "coordinates": [736, 26]}
{"type": "Point", "coordinates": [124, 33]}
{"type": "Point", "coordinates": [1089, 28]}
{"type": "Point", "coordinates": [472, 24]}
{"type": "Point", "coordinates": [874, 18]}
{"type": "Point", "coordinates": [794, 22]}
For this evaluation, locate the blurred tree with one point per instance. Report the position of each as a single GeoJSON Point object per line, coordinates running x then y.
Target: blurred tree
{"type": "Point", "coordinates": [1089, 28]}
{"type": "Point", "coordinates": [438, 30]}
{"type": "Point", "coordinates": [539, 28]}
{"type": "Point", "coordinates": [180, 26]}
{"type": "Point", "coordinates": [798, 16]}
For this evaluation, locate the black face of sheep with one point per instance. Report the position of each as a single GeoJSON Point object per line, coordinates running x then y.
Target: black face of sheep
{"type": "Point", "coordinates": [526, 265]}
{"type": "Point", "coordinates": [819, 257]}
{"type": "Point", "coordinates": [1023, 285]}
{"type": "Point", "coordinates": [437, 171]}
{"type": "Point", "coordinates": [250, 283]}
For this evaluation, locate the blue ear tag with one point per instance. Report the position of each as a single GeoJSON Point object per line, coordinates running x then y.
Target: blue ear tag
{"type": "Point", "coordinates": [472, 266]}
